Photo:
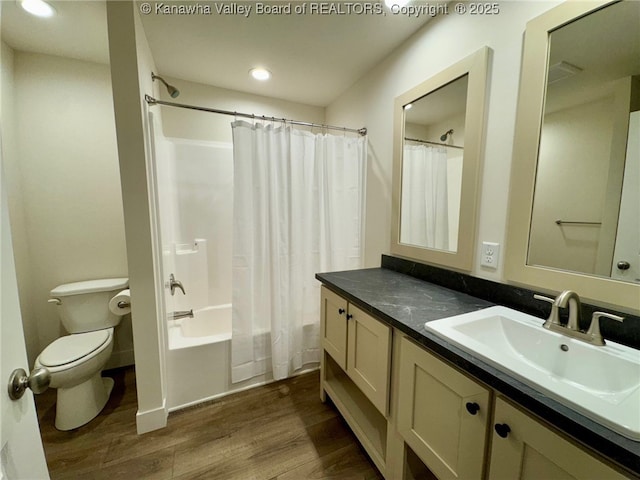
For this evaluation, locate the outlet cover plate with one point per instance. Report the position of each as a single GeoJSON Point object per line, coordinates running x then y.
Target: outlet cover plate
{"type": "Point", "coordinates": [490, 255]}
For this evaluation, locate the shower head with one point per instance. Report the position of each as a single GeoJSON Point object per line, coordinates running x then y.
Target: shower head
{"type": "Point", "coordinates": [443, 138]}
{"type": "Point", "coordinates": [173, 91]}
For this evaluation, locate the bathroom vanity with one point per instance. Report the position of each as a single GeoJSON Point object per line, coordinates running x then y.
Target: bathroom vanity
{"type": "Point", "coordinates": [415, 400]}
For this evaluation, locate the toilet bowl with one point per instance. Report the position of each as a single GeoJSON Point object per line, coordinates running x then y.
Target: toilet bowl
{"type": "Point", "coordinates": [76, 361]}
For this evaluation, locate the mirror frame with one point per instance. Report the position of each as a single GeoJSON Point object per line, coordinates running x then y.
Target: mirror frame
{"type": "Point", "coordinates": [476, 66]}
{"type": "Point", "coordinates": [529, 117]}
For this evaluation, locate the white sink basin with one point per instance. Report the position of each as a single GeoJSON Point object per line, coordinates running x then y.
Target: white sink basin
{"type": "Point", "coordinates": [603, 383]}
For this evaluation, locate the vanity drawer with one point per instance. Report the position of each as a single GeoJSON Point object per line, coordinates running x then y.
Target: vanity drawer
{"type": "Point", "coordinates": [526, 449]}
{"type": "Point", "coordinates": [334, 326]}
{"type": "Point", "coordinates": [369, 357]}
{"type": "Point", "coordinates": [443, 415]}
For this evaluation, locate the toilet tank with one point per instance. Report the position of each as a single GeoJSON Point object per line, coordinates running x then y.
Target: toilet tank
{"type": "Point", "coordinates": [84, 306]}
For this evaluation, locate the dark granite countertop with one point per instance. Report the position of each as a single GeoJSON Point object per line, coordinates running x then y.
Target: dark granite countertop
{"type": "Point", "coordinates": [406, 303]}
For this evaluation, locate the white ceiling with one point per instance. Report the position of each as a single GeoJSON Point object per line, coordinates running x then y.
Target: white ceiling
{"type": "Point", "coordinates": [79, 30]}
{"type": "Point", "coordinates": [313, 58]}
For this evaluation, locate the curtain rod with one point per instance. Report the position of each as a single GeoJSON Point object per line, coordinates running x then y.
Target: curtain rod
{"type": "Point", "coordinates": [152, 101]}
{"type": "Point", "coordinates": [432, 143]}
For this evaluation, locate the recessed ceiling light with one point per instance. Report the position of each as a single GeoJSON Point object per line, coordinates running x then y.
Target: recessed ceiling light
{"type": "Point", "coordinates": [261, 74]}
{"type": "Point", "coordinates": [39, 8]}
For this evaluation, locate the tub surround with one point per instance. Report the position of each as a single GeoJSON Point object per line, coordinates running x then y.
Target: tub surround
{"type": "Point", "coordinates": [406, 294]}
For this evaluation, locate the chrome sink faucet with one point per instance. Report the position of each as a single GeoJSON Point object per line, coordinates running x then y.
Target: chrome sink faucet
{"type": "Point", "coordinates": [572, 329]}
{"type": "Point", "coordinates": [570, 298]}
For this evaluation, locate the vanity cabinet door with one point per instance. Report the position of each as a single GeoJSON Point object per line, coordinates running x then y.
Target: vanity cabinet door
{"type": "Point", "coordinates": [334, 326]}
{"type": "Point", "coordinates": [368, 356]}
{"type": "Point", "coordinates": [523, 448]}
{"type": "Point", "coordinates": [443, 415]}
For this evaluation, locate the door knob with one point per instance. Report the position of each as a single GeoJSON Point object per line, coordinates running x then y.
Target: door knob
{"type": "Point", "coordinates": [38, 381]}
{"type": "Point", "coordinates": [623, 265]}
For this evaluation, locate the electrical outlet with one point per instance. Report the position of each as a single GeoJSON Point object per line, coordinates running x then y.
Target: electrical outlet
{"type": "Point", "coordinates": [490, 254]}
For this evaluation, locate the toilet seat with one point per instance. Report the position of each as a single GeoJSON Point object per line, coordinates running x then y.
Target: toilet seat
{"type": "Point", "coordinates": [72, 348]}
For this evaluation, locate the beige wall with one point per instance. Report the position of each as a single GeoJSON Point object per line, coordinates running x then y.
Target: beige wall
{"type": "Point", "coordinates": [13, 183]}
{"type": "Point", "coordinates": [440, 43]}
{"type": "Point", "coordinates": [194, 125]}
{"type": "Point", "coordinates": [66, 205]}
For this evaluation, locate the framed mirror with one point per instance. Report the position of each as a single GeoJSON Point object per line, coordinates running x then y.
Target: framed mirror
{"type": "Point", "coordinates": [574, 220]}
{"type": "Point", "coordinates": [438, 132]}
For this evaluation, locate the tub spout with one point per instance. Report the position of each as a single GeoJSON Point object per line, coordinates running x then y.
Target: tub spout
{"type": "Point", "coordinates": [181, 314]}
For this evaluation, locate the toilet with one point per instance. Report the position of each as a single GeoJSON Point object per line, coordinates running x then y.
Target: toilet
{"type": "Point", "coordinates": [76, 360]}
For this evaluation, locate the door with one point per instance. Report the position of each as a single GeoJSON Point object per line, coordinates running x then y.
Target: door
{"type": "Point", "coordinates": [334, 326]}
{"type": "Point", "coordinates": [443, 415]}
{"type": "Point", "coordinates": [524, 449]}
{"type": "Point", "coordinates": [368, 356]}
{"type": "Point", "coordinates": [21, 452]}
{"type": "Point", "coordinates": [626, 256]}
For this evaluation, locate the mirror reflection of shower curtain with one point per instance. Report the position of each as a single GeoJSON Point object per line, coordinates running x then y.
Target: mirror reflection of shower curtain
{"type": "Point", "coordinates": [425, 213]}
{"type": "Point", "coordinates": [298, 210]}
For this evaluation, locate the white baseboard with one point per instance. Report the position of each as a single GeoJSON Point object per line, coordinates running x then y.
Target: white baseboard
{"type": "Point", "coordinates": [150, 420]}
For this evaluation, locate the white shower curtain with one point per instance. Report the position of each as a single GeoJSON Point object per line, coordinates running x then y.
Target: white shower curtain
{"type": "Point", "coordinates": [425, 214]}
{"type": "Point", "coordinates": [298, 210]}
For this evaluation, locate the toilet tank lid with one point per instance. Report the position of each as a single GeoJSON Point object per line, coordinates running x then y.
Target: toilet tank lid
{"type": "Point", "coordinates": [90, 286]}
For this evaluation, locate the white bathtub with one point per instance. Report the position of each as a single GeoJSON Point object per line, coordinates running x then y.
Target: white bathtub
{"type": "Point", "coordinates": [208, 325]}
{"type": "Point", "coordinates": [199, 359]}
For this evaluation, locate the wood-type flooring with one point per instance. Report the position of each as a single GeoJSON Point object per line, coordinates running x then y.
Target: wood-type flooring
{"type": "Point", "coordinates": [279, 431]}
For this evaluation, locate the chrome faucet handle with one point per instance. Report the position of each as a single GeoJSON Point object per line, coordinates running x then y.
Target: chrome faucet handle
{"type": "Point", "coordinates": [554, 318]}
{"type": "Point", "coordinates": [173, 284]}
{"type": "Point", "coordinates": [544, 299]}
{"type": "Point", "coordinates": [594, 328]}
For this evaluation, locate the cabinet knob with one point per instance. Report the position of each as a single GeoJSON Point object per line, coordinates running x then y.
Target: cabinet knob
{"type": "Point", "coordinates": [341, 311]}
{"type": "Point", "coordinates": [502, 429]}
{"type": "Point", "coordinates": [349, 316]}
{"type": "Point", "coordinates": [472, 407]}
